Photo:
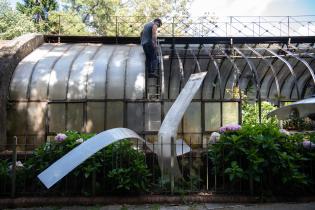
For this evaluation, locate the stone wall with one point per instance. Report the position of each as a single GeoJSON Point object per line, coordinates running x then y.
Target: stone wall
{"type": "Point", "coordinates": [11, 53]}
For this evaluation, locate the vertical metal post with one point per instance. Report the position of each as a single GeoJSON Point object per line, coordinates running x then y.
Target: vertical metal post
{"type": "Point", "coordinates": [308, 28]}
{"type": "Point", "coordinates": [93, 183]}
{"type": "Point", "coordinates": [207, 162]}
{"type": "Point", "coordinates": [259, 26]}
{"type": "Point", "coordinates": [162, 163]}
{"type": "Point", "coordinates": [116, 29]}
{"type": "Point", "coordinates": [231, 26]}
{"type": "Point", "coordinates": [173, 27]}
{"type": "Point", "coordinates": [14, 157]}
{"type": "Point", "coordinates": [259, 108]}
{"type": "Point", "coordinates": [288, 25]}
{"type": "Point", "coordinates": [172, 164]}
{"type": "Point", "coordinates": [59, 28]}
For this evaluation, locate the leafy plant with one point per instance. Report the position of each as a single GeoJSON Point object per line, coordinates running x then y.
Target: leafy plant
{"type": "Point", "coordinates": [128, 171]}
{"type": "Point", "coordinates": [297, 123]}
{"type": "Point", "coordinates": [250, 112]}
{"type": "Point", "coordinates": [259, 155]}
{"type": "Point", "coordinates": [234, 171]}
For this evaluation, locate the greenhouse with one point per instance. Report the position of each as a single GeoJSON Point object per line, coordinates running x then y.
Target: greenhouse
{"type": "Point", "coordinates": [205, 124]}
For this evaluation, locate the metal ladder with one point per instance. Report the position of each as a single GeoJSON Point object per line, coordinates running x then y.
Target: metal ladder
{"type": "Point", "coordinates": [154, 86]}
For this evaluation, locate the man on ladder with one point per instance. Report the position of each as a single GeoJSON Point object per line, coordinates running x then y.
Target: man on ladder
{"type": "Point", "coordinates": [149, 44]}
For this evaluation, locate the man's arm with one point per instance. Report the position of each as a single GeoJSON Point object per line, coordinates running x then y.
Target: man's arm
{"type": "Point", "coordinates": [154, 35]}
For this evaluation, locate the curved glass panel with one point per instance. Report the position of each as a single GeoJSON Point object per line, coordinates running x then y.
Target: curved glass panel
{"type": "Point", "coordinates": [135, 76]}
{"type": "Point", "coordinates": [22, 74]}
{"type": "Point", "coordinates": [96, 84]}
{"type": "Point", "coordinates": [41, 73]}
{"type": "Point", "coordinates": [79, 72]}
{"type": "Point", "coordinates": [208, 84]}
{"type": "Point", "coordinates": [59, 75]}
{"type": "Point", "coordinates": [116, 73]}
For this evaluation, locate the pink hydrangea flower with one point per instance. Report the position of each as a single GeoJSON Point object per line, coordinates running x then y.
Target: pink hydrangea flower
{"type": "Point", "coordinates": [230, 127]}
{"type": "Point", "coordinates": [60, 137]}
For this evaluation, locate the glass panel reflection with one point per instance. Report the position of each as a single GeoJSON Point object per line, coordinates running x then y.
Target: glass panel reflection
{"type": "Point", "coordinates": [212, 116]}
{"type": "Point", "coordinates": [230, 113]}
{"type": "Point", "coordinates": [114, 114]}
{"type": "Point", "coordinates": [75, 120]}
{"type": "Point", "coordinates": [57, 117]}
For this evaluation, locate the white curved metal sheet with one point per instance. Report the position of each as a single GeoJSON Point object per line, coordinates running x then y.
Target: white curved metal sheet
{"type": "Point", "coordinates": [171, 121]}
{"type": "Point", "coordinates": [22, 74]}
{"type": "Point", "coordinates": [79, 154]}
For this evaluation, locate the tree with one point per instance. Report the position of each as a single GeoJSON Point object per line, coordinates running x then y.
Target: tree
{"type": "Point", "coordinates": [38, 9]}
{"type": "Point", "coordinates": [143, 11]}
{"type": "Point", "coordinates": [12, 23]}
{"type": "Point", "coordinates": [68, 23]}
{"type": "Point", "coordinates": [95, 13]}
{"type": "Point", "coordinates": [109, 17]}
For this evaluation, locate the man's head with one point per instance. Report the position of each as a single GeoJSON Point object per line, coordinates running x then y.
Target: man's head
{"type": "Point", "coordinates": [158, 22]}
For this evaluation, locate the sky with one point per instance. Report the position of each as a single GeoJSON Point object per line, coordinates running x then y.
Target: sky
{"type": "Point", "coordinates": [249, 7]}
{"type": "Point", "coordinates": [253, 7]}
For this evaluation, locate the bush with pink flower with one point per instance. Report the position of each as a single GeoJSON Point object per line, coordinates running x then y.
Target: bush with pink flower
{"type": "Point", "coordinates": [230, 127]}
{"type": "Point", "coordinates": [60, 137]}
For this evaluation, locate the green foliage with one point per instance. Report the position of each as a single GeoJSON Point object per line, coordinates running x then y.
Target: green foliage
{"type": "Point", "coordinates": [12, 23]}
{"type": "Point", "coordinates": [182, 186]}
{"type": "Point", "coordinates": [250, 113]}
{"type": "Point", "coordinates": [4, 169]}
{"type": "Point", "coordinates": [234, 171]}
{"type": "Point", "coordinates": [38, 10]}
{"type": "Point", "coordinates": [108, 17]}
{"type": "Point", "coordinates": [129, 172]}
{"type": "Point", "coordinates": [70, 23]}
{"type": "Point", "coordinates": [297, 123]}
{"type": "Point", "coordinates": [259, 153]}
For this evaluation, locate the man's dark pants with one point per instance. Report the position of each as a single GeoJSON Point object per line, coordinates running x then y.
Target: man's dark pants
{"type": "Point", "coordinates": [151, 58]}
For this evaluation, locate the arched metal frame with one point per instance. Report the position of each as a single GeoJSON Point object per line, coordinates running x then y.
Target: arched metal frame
{"type": "Point", "coordinates": [307, 65]}
{"type": "Point", "coordinates": [270, 67]}
{"type": "Point", "coordinates": [255, 75]}
{"type": "Point", "coordinates": [290, 69]}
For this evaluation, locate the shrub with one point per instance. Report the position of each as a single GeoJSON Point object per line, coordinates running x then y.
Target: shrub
{"type": "Point", "coordinates": [262, 159]}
